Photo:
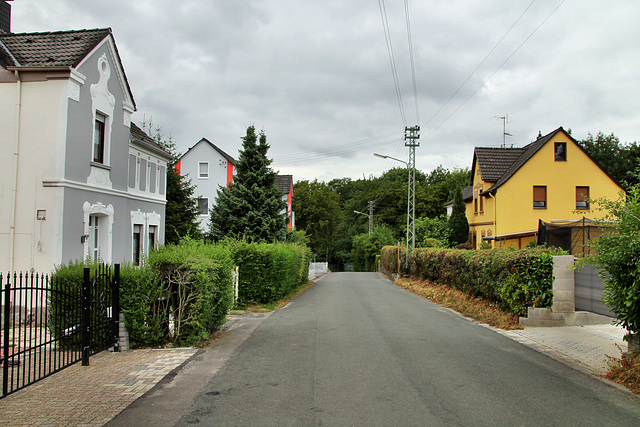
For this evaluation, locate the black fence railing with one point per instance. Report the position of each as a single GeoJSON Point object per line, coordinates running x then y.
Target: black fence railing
{"type": "Point", "coordinates": [48, 325]}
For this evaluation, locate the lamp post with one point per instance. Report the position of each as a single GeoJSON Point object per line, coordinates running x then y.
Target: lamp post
{"type": "Point", "coordinates": [411, 194]}
{"type": "Point", "coordinates": [370, 215]}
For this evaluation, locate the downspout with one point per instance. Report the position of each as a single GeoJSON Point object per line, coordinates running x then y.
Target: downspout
{"type": "Point", "coordinates": [16, 161]}
{"type": "Point", "coordinates": [495, 217]}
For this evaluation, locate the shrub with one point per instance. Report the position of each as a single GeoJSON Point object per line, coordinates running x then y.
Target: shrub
{"type": "Point", "coordinates": [269, 272]}
{"type": "Point", "coordinates": [514, 280]}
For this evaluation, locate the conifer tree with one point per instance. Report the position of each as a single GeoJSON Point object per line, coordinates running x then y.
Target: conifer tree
{"type": "Point", "coordinates": [458, 224]}
{"type": "Point", "coordinates": [251, 206]}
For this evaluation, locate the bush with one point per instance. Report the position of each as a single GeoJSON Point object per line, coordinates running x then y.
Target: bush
{"type": "Point", "coordinates": [514, 280]}
{"type": "Point", "coordinates": [618, 253]}
{"type": "Point", "coordinates": [196, 289]}
{"type": "Point", "coordinates": [269, 272]}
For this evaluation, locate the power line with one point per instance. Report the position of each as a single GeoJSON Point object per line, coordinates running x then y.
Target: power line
{"type": "Point", "coordinates": [413, 68]}
{"type": "Point", "coordinates": [496, 70]}
{"type": "Point", "coordinates": [394, 71]}
{"type": "Point", "coordinates": [480, 64]}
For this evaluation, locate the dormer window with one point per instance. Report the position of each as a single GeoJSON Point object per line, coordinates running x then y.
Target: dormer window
{"type": "Point", "coordinates": [99, 138]}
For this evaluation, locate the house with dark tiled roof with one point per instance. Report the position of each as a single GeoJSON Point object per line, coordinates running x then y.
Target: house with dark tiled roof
{"type": "Point", "coordinates": [512, 189]}
{"type": "Point", "coordinates": [209, 168]}
{"type": "Point", "coordinates": [80, 180]}
{"type": "Point", "coordinates": [285, 188]}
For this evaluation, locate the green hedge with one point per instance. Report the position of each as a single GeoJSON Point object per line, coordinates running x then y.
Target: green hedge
{"type": "Point", "coordinates": [269, 272]}
{"type": "Point", "coordinates": [195, 291]}
{"type": "Point", "coordinates": [514, 280]}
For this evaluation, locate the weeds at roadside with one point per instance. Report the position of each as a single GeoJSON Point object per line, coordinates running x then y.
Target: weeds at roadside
{"type": "Point", "coordinates": [625, 370]}
{"type": "Point", "coordinates": [476, 308]}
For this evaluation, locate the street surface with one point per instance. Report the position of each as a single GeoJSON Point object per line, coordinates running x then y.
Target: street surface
{"type": "Point", "coordinates": [354, 349]}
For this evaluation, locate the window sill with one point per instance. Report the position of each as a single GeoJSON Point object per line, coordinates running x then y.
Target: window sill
{"type": "Point", "coordinates": [100, 165]}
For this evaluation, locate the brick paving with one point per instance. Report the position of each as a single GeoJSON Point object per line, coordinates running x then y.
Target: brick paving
{"type": "Point", "coordinates": [91, 395]}
{"type": "Point", "coordinates": [588, 347]}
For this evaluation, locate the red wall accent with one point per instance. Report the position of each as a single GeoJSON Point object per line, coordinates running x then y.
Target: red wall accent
{"type": "Point", "coordinates": [178, 167]}
{"type": "Point", "coordinates": [229, 173]}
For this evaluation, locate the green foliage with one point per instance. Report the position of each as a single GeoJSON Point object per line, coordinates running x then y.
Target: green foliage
{"type": "Point", "coordinates": [514, 280]}
{"type": "Point", "coordinates": [458, 224]}
{"type": "Point", "coordinates": [432, 228]}
{"type": "Point", "coordinates": [196, 288]}
{"type": "Point", "coordinates": [620, 161]}
{"type": "Point", "coordinates": [366, 247]}
{"type": "Point", "coordinates": [618, 253]}
{"type": "Point", "coordinates": [251, 207]}
{"type": "Point", "coordinates": [487, 245]}
{"type": "Point", "coordinates": [269, 272]}
{"type": "Point", "coordinates": [430, 242]}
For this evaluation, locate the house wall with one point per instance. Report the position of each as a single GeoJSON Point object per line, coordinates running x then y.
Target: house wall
{"type": "Point", "coordinates": [515, 198]}
{"type": "Point", "coordinates": [218, 174]}
{"type": "Point", "coordinates": [481, 223]}
{"type": "Point", "coordinates": [41, 147]}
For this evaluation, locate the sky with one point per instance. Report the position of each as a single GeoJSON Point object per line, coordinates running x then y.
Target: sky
{"type": "Point", "coordinates": [317, 76]}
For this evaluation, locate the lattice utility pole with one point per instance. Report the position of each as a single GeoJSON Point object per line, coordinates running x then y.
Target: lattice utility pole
{"type": "Point", "coordinates": [411, 138]}
{"type": "Point", "coordinates": [370, 217]}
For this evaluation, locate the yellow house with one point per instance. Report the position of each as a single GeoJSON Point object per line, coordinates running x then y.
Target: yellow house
{"type": "Point", "coordinates": [512, 189]}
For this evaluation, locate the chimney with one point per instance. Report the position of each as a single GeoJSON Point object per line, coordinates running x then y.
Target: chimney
{"type": "Point", "coordinates": [5, 17]}
{"type": "Point", "coordinates": [539, 135]}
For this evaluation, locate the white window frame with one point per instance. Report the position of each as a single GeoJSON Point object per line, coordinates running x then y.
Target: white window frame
{"type": "Point", "coordinates": [202, 175]}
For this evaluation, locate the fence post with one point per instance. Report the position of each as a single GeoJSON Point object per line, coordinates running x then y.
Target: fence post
{"type": "Point", "coordinates": [86, 306]}
{"type": "Point", "coordinates": [5, 344]}
{"type": "Point", "coordinates": [115, 310]}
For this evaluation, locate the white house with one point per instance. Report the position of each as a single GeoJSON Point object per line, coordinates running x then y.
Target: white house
{"type": "Point", "coordinates": [208, 167]}
{"type": "Point", "coordinates": [79, 180]}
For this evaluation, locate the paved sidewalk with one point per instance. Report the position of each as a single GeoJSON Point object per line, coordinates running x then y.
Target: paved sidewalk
{"type": "Point", "coordinates": [91, 395]}
{"type": "Point", "coordinates": [586, 347]}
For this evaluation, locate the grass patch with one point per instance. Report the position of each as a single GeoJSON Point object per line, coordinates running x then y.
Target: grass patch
{"type": "Point", "coordinates": [626, 371]}
{"type": "Point", "coordinates": [275, 305]}
{"type": "Point", "coordinates": [478, 309]}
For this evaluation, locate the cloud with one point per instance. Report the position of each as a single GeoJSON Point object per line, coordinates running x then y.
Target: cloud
{"type": "Point", "coordinates": [316, 75]}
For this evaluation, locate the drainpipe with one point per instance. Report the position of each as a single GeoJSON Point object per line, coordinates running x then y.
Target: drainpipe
{"type": "Point", "coordinates": [495, 217]}
{"type": "Point", "coordinates": [16, 159]}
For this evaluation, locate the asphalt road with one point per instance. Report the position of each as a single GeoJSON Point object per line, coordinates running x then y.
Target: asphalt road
{"type": "Point", "coordinates": [354, 349]}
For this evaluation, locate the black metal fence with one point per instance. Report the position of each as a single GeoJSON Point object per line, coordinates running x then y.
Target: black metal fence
{"type": "Point", "coordinates": [48, 325]}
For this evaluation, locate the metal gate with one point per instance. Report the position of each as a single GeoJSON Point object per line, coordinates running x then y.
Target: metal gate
{"type": "Point", "coordinates": [589, 289]}
{"type": "Point", "coordinates": [50, 325]}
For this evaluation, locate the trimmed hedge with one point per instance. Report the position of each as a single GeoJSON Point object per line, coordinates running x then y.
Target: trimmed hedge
{"type": "Point", "coordinates": [514, 280]}
{"type": "Point", "coordinates": [269, 272]}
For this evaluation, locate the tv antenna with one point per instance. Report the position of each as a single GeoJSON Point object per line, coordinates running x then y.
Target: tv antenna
{"type": "Point", "coordinates": [505, 134]}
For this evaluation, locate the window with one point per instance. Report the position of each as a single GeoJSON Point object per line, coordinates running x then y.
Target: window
{"type": "Point", "coordinates": [94, 237]}
{"type": "Point", "coordinates": [481, 197]}
{"type": "Point", "coordinates": [203, 205]}
{"type": "Point", "coordinates": [143, 175]}
{"type": "Point", "coordinates": [475, 201]}
{"type": "Point", "coordinates": [153, 229]}
{"type": "Point", "coordinates": [582, 196]}
{"type": "Point", "coordinates": [133, 164]}
{"type": "Point", "coordinates": [540, 197]}
{"type": "Point", "coordinates": [136, 244]}
{"type": "Point", "coordinates": [560, 151]}
{"type": "Point", "coordinates": [203, 170]}
{"type": "Point", "coordinates": [152, 177]}
{"type": "Point", "coordinates": [98, 139]}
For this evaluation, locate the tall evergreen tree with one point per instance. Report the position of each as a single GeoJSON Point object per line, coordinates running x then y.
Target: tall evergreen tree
{"type": "Point", "coordinates": [181, 210]}
{"type": "Point", "coordinates": [458, 224]}
{"type": "Point", "coordinates": [251, 206]}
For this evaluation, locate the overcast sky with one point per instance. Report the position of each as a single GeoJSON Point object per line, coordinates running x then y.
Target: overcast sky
{"type": "Point", "coordinates": [316, 75]}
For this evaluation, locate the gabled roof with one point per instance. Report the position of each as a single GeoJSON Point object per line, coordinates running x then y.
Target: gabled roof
{"type": "Point", "coordinates": [51, 49]}
{"type": "Point", "coordinates": [138, 136]}
{"type": "Point", "coordinates": [212, 145]}
{"type": "Point", "coordinates": [59, 49]}
{"type": "Point", "coordinates": [284, 183]}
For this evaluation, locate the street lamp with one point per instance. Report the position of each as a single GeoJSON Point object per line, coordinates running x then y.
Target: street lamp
{"type": "Point", "coordinates": [411, 220]}
{"type": "Point", "coordinates": [370, 215]}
